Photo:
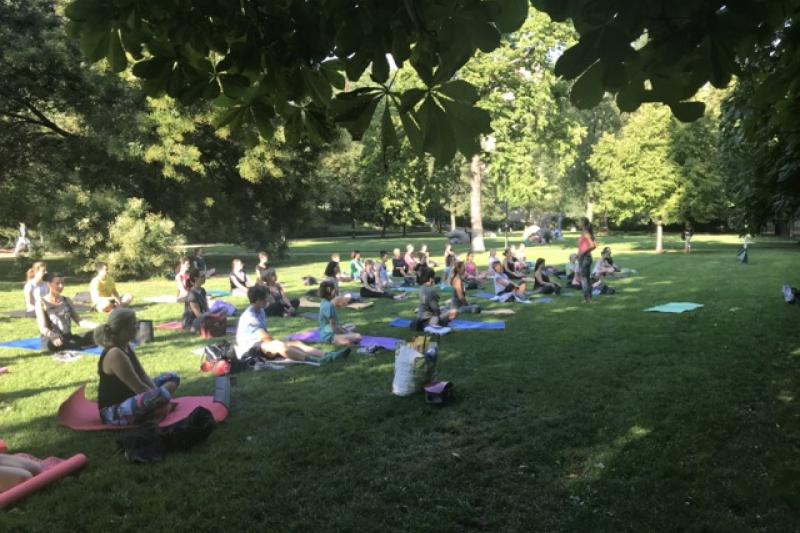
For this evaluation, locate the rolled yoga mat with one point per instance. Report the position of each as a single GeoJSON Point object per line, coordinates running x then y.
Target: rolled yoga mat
{"type": "Point", "coordinates": [53, 469]}
{"type": "Point", "coordinates": [80, 414]}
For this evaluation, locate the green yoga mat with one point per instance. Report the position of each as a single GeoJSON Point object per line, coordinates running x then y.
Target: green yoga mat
{"type": "Point", "coordinates": [674, 307]}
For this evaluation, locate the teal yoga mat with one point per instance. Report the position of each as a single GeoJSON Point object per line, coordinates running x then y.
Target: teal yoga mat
{"type": "Point", "coordinates": [674, 307]}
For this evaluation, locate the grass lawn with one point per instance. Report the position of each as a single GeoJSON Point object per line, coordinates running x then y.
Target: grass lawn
{"type": "Point", "coordinates": [576, 418]}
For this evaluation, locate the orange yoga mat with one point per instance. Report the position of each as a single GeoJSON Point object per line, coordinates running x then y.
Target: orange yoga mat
{"type": "Point", "coordinates": [80, 414]}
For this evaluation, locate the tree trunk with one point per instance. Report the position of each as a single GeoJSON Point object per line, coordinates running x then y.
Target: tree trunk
{"type": "Point", "coordinates": [590, 210]}
{"type": "Point", "coordinates": [452, 220]}
{"type": "Point", "coordinates": [475, 211]}
{"type": "Point", "coordinates": [659, 237]}
{"type": "Point", "coordinates": [353, 223]}
{"type": "Point", "coordinates": [383, 227]}
{"type": "Point", "coordinates": [783, 229]}
{"type": "Point", "coordinates": [404, 230]}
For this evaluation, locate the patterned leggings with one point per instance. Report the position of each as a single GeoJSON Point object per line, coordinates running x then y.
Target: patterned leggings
{"type": "Point", "coordinates": [136, 408]}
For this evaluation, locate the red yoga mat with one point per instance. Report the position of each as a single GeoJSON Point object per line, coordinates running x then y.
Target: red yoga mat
{"type": "Point", "coordinates": [53, 469]}
{"type": "Point", "coordinates": [80, 414]}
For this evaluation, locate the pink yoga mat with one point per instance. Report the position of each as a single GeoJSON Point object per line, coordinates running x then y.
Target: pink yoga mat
{"type": "Point", "coordinates": [53, 469]}
{"type": "Point", "coordinates": [170, 325]}
{"type": "Point", "coordinates": [80, 414]}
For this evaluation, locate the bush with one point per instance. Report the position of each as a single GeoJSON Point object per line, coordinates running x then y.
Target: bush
{"type": "Point", "coordinates": [140, 243]}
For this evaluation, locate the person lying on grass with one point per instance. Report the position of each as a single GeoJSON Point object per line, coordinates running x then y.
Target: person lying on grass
{"type": "Point", "coordinates": [503, 286]}
{"type": "Point", "coordinates": [428, 312]}
{"type": "Point", "coordinates": [541, 281]}
{"type": "Point", "coordinates": [459, 299]}
{"type": "Point", "coordinates": [35, 287]}
{"type": "Point", "coordinates": [54, 316]}
{"type": "Point", "coordinates": [103, 291]}
{"type": "Point", "coordinates": [329, 329]}
{"type": "Point", "coordinates": [238, 278]}
{"type": "Point", "coordinates": [371, 286]}
{"type": "Point", "coordinates": [126, 394]}
{"type": "Point", "coordinates": [253, 338]}
{"type": "Point", "coordinates": [279, 303]}
{"type": "Point", "coordinates": [16, 470]}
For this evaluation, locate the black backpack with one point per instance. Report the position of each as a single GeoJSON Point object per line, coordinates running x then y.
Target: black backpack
{"type": "Point", "coordinates": [192, 430]}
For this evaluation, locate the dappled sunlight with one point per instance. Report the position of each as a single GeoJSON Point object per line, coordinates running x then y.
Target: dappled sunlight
{"type": "Point", "coordinates": [595, 460]}
{"type": "Point", "coordinates": [785, 396]}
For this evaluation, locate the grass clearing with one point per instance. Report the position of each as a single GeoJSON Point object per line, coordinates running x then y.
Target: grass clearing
{"type": "Point", "coordinates": [576, 418]}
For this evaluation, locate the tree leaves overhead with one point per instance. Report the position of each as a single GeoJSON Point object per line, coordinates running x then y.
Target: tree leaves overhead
{"type": "Point", "coordinates": [279, 55]}
{"type": "Point", "coordinates": [679, 47]}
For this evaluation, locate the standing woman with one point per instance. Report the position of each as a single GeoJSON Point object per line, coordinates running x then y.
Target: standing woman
{"type": "Point", "coordinates": [585, 246]}
{"type": "Point", "coordinates": [35, 287]}
{"type": "Point", "coordinates": [54, 316]}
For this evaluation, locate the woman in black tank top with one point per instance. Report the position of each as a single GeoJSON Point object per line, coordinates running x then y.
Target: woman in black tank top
{"type": "Point", "coordinates": [126, 394]}
{"type": "Point", "coordinates": [370, 288]}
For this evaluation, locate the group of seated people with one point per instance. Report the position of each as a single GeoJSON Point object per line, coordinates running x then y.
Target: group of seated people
{"type": "Point", "coordinates": [56, 313]}
{"type": "Point", "coordinates": [603, 268]}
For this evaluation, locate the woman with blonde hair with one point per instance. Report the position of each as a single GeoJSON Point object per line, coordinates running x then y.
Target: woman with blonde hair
{"type": "Point", "coordinates": [35, 287]}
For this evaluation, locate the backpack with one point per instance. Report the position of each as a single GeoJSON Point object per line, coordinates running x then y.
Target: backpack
{"type": "Point", "coordinates": [214, 353]}
{"type": "Point", "coordinates": [192, 430]}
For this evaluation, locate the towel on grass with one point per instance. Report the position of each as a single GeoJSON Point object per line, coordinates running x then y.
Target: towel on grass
{"type": "Point", "coordinates": [674, 307]}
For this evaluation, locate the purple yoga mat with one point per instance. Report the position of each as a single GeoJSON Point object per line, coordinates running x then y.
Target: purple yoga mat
{"type": "Point", "coordinates": [312, 336]}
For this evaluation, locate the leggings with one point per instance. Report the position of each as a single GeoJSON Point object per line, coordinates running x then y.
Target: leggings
{"type": "Point", "coordinates": [136, 408]}
{"type": "Point", "coordinates": [70, 341]}
{"type": "Point", "coordinates": [369, 293]}
{"type": "Point", "coordinates": [585, 264]}
{"type": "Point", "coordinates": [279, 309]}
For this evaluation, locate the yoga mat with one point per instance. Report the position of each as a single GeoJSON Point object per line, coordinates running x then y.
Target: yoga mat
{"type": "Point", "coordinates": [53, 469]}
{"type": "Point", "coordinates": [170, 325]}
{"type": "Point", "coordinates": [357, 306]}
{"type": "Point", "coordinates": [312, 336]}
{"type": "Point", "coordinates": [217, 294]}
{"type": "Point", "coordinates": [161, 299]}
{"type": "Point", "coordinates": [498, 312]}
{"type": "Point", "coordinates": [406, 289]}
{"type": "Point", "coordinates": [459, 325]}
{"type": "Point", "coordinates": [483, 295]}
{"type": "Point", "coordinates": [80, 414]}
{"type": "Point", "coordinates": [35, 344]}
{"type": "Point", "coordinates": [674, 307]}
{"type": "Point", "coordinates": [20, 313]}
{"type": "Point", "coordinates": [545, 300]}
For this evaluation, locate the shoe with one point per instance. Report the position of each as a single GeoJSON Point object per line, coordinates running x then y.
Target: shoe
{"type": "Point", "coordinates": [369, 350]}
{"type": "Point", "coordinates": [788, 294]}
{"type": "Point", "coordinates": [437, 330]}
{"type": "Point", "coordinates": [330, 357]}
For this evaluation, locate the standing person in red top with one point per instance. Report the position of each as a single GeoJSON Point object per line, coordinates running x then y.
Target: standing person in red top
{"type": "Point", "coordinates": [585, 246]}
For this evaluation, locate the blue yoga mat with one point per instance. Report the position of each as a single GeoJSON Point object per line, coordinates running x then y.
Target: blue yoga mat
{"type": "Point", "coordinates": [544, 300]}
{"type": "Point", "coordinates": [455, 324]}
{"type": "Point", "coordinates": [217, 294]}
{"type": "Point", "coordinates": [482, 295]}
{"type": "Point", "coordinates": [35, 344]}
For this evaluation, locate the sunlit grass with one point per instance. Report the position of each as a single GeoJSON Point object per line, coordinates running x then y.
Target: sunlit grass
{"type": "Point", "coordinates": [576, 418]}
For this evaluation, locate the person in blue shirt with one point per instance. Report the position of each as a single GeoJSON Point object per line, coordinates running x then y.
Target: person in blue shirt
{"type": "Point", "coordinates": [253, 338]}
{"type": "Point", "coordinates": [329, 329]}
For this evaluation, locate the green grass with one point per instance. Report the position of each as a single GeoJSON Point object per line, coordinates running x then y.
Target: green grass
{"type": "Point", "coordinates": [576, 418]}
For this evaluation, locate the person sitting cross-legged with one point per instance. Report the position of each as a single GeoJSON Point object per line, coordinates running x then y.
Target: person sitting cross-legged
{"type": "Point", "coordinates": [503, 287]}
{"type": "Point", "coordinates": [279, 302]}
{"type": "Point", "coordinates": [253, 338]}
{"type": "Point", "coordinates": [458, 282]}
{"type": "Point", "coordinates": [126, 394]}
{"type": "Point", "coordinates": [103, 291]}
{"type": "Point", "coordinates": [54, 316]}
{"type": "Point", "coordinates": [371, 286]}
{"type": "Point", "coordinates": [428, 312]}
{"type": "Point", "coordinates": [329, 328]}
{"type": "Point", "coordinates": [541, 281]}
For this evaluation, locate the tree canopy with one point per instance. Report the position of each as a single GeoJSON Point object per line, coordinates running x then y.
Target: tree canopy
{"type": "Point", "coordinates": [262, 60]}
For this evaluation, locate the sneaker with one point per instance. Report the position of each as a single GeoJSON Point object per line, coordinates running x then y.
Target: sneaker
{"type": "Point", "coordinates": [369, 350]}
{"type": "Point", "coordinates": [522, 300]}
{"type": "Point", "coordinates": [330, 357]}
{"type": "Point", "coordinates": [437, 330]}
{"type": "Point", "coordinates": [788, 294]}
